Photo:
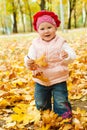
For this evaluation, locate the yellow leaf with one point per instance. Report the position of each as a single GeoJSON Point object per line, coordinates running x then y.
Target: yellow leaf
{"type": "Point", "coordinates": [12, 124]}
{"type": "Point", "coordinates": [17, 117]}
{"type": "Point", "coordinates": [4, 103]}
{"type": "Point", "coordinates": [25, 114]}
{"type": "Point", "coordinates": [76, 121]}
{"type": "Point", "coordinates": [41, 61]}
{"type": "Point", "coordinates": [76, 96]}
{"type": "Point", "coordinates": [79, 127]}
{"type": "Point", "coordinates": [20, 112]}
{"type": "Point", "coordinates": [34, 114]}
{"type": "Point", "coordinates": [17, 110]}
{"type": "Point", "coordinates": [19, 82]}
{"type": "Point", "coordinates": [15, 98]}
{"type": "Point", "coordinates": [20, 108]}
{"type": "Point", "coordinates": [82, 112]}
{"type": "Point", "coordinates": [65, 121]}
{"type": "Point", "coordinates": [67, 127]}
{"type": "Point", "coordinates": [47, 127]}
{"type": "Point", "coordinates": [12, 75]}
{"type": "Point", "coordinates": [41, 77]}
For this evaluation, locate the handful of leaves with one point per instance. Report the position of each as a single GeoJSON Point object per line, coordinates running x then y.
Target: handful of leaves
{"type": "Point", "coordinates": [34, 64]}
{"type": "Point", "coordinates": [41, 76]}
{"type": "Point", "coordinates": [41, 61]}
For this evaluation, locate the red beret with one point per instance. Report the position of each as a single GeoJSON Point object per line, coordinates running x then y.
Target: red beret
{"type": "Point", "coordinates": [45, 12]}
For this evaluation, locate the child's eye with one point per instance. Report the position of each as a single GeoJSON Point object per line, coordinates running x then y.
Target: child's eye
{"type": "Point", "coordinates": [41, 28]}
{"type": "Point", "coordinates": [49, 27]}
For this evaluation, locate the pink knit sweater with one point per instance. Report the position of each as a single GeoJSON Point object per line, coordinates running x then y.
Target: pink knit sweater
{"type": "Point", "coordinates": [57, 69]}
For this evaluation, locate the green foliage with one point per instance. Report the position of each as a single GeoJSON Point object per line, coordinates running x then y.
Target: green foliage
{"type": "Point", "coordinates": [30, 7]}
{"type": "Point", "coordinates": [33, 6]}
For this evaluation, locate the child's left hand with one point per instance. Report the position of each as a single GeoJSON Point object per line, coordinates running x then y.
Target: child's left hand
{"type": "Point", "coordinates": [64, 54]}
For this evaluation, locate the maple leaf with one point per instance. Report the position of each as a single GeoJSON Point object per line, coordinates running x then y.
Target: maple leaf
{"type": "Point", "coordinates": [41, 61]}
{"type": "Point", "coordinates": [12, 75]}
{"type": "Point", "coordinates": [4, 103]}
{"type": "Point", "coordinates": [47, 127]}
{"type": "Point", "coordinates": [19, 82]}
{"type": "Point", "coordinates": [67, 127]}
{"type": "Point", "coordinates": [41, 77]}
{"type": "Point", "coordinates": [10, 125]}
{"type": "Point", "coordinates": [25, 113]}
{"type": "Point", "coordinates": [18, 117]}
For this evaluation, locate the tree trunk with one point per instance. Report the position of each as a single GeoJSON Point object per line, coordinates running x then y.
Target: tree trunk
{"type": "Point", "coordinates": [15, 23]}
{"type": "Point", "coordinates": [62, 15]}
{"type": "Point", "coordinates": [31, 27]}
{"type": "Point", "coordinates": [71, 4]}
{"type": "Point", "coordinates": [69, 22]}
{"type": "Point", "coordinates": [42, 4]}
{"type": "Point", "coordinates": [69, 17]}
{"type": "Point", "coordinates": [84, 14]}
{"type": "Point", "coordinates": [14, 19]}
{"type": "Point", "coordinates": [22, 18]}
{"type": "Point", "coordinates": [75, 25]}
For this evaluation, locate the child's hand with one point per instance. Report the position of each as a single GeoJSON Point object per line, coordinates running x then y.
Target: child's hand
{"type": "Point", "coordinates": [31, 64]}
{"type": "Point", "coordinates": [64, 54]}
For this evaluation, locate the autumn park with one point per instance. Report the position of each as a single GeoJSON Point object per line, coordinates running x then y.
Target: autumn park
{"type": "Point", "coordinates": [17, 103]}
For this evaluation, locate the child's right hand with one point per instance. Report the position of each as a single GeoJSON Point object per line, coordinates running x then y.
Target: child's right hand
{"type": "Point", "coordinates": [31, 64]}
{"type": "Point", "coordinates": [64, 54]}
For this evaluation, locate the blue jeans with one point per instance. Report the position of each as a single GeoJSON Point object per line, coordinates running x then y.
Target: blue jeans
{"type": "Point", "coordinates": [43, 97]}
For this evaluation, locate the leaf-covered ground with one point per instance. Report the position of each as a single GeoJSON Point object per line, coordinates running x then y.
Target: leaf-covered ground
{"type": "Point", "coordinates": [17, 106]}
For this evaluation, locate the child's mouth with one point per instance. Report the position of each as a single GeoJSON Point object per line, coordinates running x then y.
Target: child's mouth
{"type": "Point", "coordinates": [47, 35]}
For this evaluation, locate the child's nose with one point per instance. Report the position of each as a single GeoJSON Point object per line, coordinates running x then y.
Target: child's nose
{"type": "Point", "coordinates": [46, 30]}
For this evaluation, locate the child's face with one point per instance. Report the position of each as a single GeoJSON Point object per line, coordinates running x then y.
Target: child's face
{"type": "Point", "coordinates": [47, 31]}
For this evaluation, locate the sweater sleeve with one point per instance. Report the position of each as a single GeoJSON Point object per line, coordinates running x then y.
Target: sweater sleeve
{"type": "Point", "coordinates": [31, 54]}
{"type": "Point", "coordinates": [71, 54]}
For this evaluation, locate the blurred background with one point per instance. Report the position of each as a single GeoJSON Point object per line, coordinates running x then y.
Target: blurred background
{"type": "Point", "coordinates": [16, 15]}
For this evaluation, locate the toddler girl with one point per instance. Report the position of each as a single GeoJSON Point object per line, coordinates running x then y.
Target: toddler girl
{"type": "Point", "coordinates": [57, 55]}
